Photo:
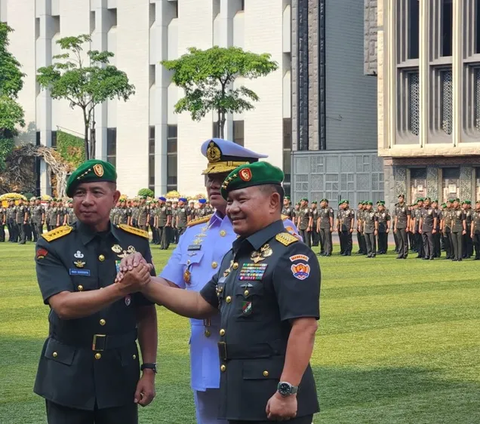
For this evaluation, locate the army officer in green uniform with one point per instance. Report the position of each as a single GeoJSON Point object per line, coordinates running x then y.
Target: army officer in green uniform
{"type": "Point", "coordinates": [267, 291]}
{"type": "Point", "coordinates": [89, 366]}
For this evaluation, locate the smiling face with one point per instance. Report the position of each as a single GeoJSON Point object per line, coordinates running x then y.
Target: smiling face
{"type": "Point", "coordinates": [92, 203]}
{"type": "Point", "coordinates": [213, 183]}
{"type": "Point", "coordinates": [253, 208]}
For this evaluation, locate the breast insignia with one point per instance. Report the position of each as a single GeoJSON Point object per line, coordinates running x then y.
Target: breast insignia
{"type": "Point", "coordinates": [286, 239]}
{"type": "Point", "coordinates": [201, 220]}
{"type": "Point", "coordinates": [133, 230]}
{"type": "Point", "coordinates": [57, 233]}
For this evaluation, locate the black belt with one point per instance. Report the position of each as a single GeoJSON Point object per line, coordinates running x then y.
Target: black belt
{"type": "Point", "coordinates": [99, 342]}
{"type": "Point", "coordinates": [261, 350]}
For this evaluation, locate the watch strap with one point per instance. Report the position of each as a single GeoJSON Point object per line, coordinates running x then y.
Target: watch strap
{"type": "Point", "coordinates": [149, 366]}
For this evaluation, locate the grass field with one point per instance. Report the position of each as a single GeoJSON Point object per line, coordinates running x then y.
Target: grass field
{"type": "Point", "coordinates": [398, 342]}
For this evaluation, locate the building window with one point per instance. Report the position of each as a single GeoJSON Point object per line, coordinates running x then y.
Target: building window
{"type": "Point", "coordinates": [54, 140]}
{"type": "Point", "coordinates": [446, 101]}
{"type": "Point", "coordinates": [242, 4]}
{"type": "Point", "coordinates": [238, 132]}
{"type": "Point", "coordinates": [112, 146]}
{"type": "Point", "coordinates": [418, 183]}
{"type": "Point", "coordinates": [215, 131]}
{"type": "Point", "coordinates": [446, 27]}
{"type": "Point", "coordinates": [151, 158]}
{"type": "Point", "coordinates": [476, 15]}
{"type": "Point", "coordinates": [450, 183]}
{"type": "Point", "coordinates": [172, 158]}
{"type": "Point", "coordinates": [413, 28]}
{"type": "Point", "coordinates": [287, 154]}
{"type": "Point", "coordinates": [408, 110]}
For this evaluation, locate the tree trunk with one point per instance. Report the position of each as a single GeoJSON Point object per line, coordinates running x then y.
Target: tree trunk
{"type": "Point", "coordinates": [93, 141]}
{"type": "Point", "coordinates": [86, 124]}
{"type": "Point", "coordinates": [221, 125]}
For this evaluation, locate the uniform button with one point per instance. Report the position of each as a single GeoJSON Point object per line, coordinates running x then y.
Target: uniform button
{"type": "Point", "coordinates": [98, 356]}
{"type": "Point", "coordinates": [223, 233]}
{"type": "Point", "coordinates": [235, 265]}
{"type": "Point", "coordinates": [134, 356]}
{"type": "Point", "coordinates": [80, 287]}
{"type": "Point", "coordinates": [223, 368]}
{"type": "Point", "coordinates": [102, 322]}
{"type": "Point", "coordinates": [214, 265]}
{"type": "Point", "coordinates": [265, 373]}
{"type": "Point", "coordinates": [207, 333]}
{"type": "Point", "coordinates": [101, 258]}
{"type": "Point", "coordinates": [228, 299]}
{"type": "Point", "coordinates": [54, 354]}
{"type": "Point", "coordinates": [222, 332]}
{"type": "Point", "coordinates": [246, 292]}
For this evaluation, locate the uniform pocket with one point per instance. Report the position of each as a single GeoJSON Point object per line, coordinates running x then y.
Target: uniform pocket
{"type": "Point", "coordinates": [263, 369]}
{"type": "Point", "coordinates": [59, 352]}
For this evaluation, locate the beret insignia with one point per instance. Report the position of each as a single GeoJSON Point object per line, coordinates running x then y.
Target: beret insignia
{"type": "Point", "coordinates": [245, 174]}
{"type": "Point", "coordinates": [98, 169]}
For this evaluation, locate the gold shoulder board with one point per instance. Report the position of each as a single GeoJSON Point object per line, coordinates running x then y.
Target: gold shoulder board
{"type": "Point", "coordinates": [284, 217]}
{"type": "Point", "coordinates": [286, 239]}
{"type": "Point", "coordinates": [199, 220]}
{"type": "Point", "coordinates": [133, 230]}
{"type": "Point", "coordinates": [57, 233]}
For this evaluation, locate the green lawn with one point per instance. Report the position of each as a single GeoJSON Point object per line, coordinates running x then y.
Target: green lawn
{"type": "Point", "coordinates": [399, 342]}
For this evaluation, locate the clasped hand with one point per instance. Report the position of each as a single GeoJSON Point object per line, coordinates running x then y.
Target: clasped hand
{"type": "Point", "coordinates": [134, 273]}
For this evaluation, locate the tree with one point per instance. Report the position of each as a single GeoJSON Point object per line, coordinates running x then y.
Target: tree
{"type": "Point", "coordinates": [207, 77]}
{"type": "Point", "coordinates": [84, 85]}
{"type": "Point", "coordinates": [11, 82]}
{"type": "Point", "coordinates": [146, 192]}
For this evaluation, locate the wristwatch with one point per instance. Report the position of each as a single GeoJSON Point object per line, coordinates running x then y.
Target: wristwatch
{"type": "Point", "coordinates": [148, 366]}
{"type": "Point", "coordinates": [286, 389]}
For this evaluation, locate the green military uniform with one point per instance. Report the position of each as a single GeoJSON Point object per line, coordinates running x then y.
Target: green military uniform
{"type": "Point", "coordinates": [476, 230]}
{"type": "Point", "coordinates": [142, 217]}
{"type": "Point", "coordinates": [401, 225]}
{"type": "Point", "coordinates": [467, 239]}
{"type": "Point", "coordinates": [370, 227]}
{"type": "Point", "coordinates": [182, 219]}
{"type": "Point", "coordinates": [447, 230]}
{"type": "Point", "coordinates": [345, 219]}
{"type": "Point", "coordinates": [11, 223]}
{"type": "Point", "coordinates": [161, 223]}
{"type": "Point", "coordinates": [315, 235]}
{"type": "Point", "coordinates": [458, 226]}
{"type": "Point", "coordinates": [89, 367]}
{"type": "Point", "coordinates": [21, 214]}
{"type": "Point", "coordinates": [3, 221]}
{"type": "Point", "coordinates": [303, 225]}
{"type": "Point", "coordinates": [325, 218]}
{"type": "Point", "coordinates": [265, 281]}
{"type": "Point", "coordinates": [38, 217]}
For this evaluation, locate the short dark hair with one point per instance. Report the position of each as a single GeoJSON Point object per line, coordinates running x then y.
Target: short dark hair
{"type": "Point", "coordinates": [274, 188]}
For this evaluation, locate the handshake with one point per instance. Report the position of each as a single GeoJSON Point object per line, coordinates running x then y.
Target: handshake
{"type": "Point", "coordinates": [134, 273]}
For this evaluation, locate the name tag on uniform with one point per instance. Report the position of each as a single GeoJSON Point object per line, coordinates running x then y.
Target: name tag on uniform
{"type": "Point", "coordinates": [81, 272]}
{"type": "Point", "coordinates": [252, 272]}
{"type": "Point", "coordinates": [194, 247]}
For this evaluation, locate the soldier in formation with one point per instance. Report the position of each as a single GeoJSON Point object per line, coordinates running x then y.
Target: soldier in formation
{"type": "Point", "coordinates": [304, 222]}
{"type": "Point", "coordinates": [3, 222]}
{"type": "Point", "coordinates": [11, 222]}
{"type": "Point", "coordinates": [345, 225]}
{"type": "Point", "coordinates": [325, 227]}
{"type": "Point", "coordinates": [384, 219]}
{"type": "Point", "coordinates": [475, 230]}
{"type": "Point", "coordinates": [38, 218]}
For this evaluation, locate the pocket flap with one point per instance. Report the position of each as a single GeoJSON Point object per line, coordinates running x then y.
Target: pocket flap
{"type": "Point", "coordinates": [59, 352]}
{"type": "Point", "coordinates": [263, 369]}
{"type": "Point", "coordinates": [193, 258]}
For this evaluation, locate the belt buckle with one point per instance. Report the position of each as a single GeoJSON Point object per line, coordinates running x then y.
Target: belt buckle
{"type": "Point", "coordinates": [222, 350]}
{"type": "Point", "coordinates": [94, 343]}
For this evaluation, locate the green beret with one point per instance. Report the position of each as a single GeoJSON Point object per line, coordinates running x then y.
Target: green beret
{"type": "Point", "coordinates": [456, 200]}
{"type": "Point", "coordinates": [304, 199]}
{"type": "Point", "coordinates": [435, 201]}
{"type": "Point", "coordinates": [444, 205]}
{"type": "Point", "coordinates": [420, 199]}
{"type": "Point", "coordinates": [427, 198]}
{"type": "Point", "coordinates": [324, 200]}
{"type": "Point", "coordinates": [314, 202]}
{"type": "Point", "coordinates": [91, 171]}
{"type": "Point", "coordinates": [250, 175]}
{"type": "Point", "coordinates": [287, 197]}
{"type": "Point", "coordinates": [478, 201]}
{"type": "Point", "coordinates": [449, 200]}
{"type": "Point", "coordinates": [467, 202]}
{"type": "Point", "coordinates": [369, 203]}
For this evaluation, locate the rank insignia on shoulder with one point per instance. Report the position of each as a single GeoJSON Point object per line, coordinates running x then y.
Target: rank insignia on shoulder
{"type": "Point", "coordinates": [57, 233]}
{"type": "Point", "coordinates": [201, 220]}
{"type": "Point", "coordinates": [133, 230]}
{"type": "Point", "coordinates": [286, 239]}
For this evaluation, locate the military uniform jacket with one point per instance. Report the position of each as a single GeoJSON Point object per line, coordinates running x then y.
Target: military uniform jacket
{"type": "Point", "coordinates": [182, 217]}
{"type": "Point", "coordinates": [142, 215]}
{"type": "Point", "coordinates": [264, 281]}
{"type": "Point", "coordinates": [3, 215]}
{"type": "Point", "coordinates": [11, 213]}
{"type": "Point", "coordinates": [325, 214]}
{"type": "Point", "coordinates": [468, 217]}
{"type": "Point", "coordinates": [401, 213]}
{"type": "Point", "coordinates": [458, 216]}
{"type": "Point", "coordinates": [428, 215]}
{"type": "Point", "coordinates": [476, 221]}
{"type": "Point", "coordinates": [52, 216]}
{"type": "Point", "coordinates": [304, 218]}
{"type": "Point", "coordinates": [369, 219]}
{"type": "Point", "coordinates": [69, 373]}
{"type": "Point", "coordinates": [314, 213]}
{"type": "Point", "coordinates": [37, 213]}
{"type": "Point", "coordinates": [383, 218]}
{"type": "Point", "coordinates": [162, 216]}
{"type": "Point", "coordinates": [345, 218]}
{"type": "Point", "coordinates": [21, 213]}
{"type": "Point", "coordinates": [288, 211]}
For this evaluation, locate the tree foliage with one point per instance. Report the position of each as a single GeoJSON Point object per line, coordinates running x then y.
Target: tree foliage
{"type": "Point", "coordinates": [70, 148]}
{"type": "Point", "coordinates": [85, 80]}
{"type": "Point", "coordinates": [11, 82]}
{"type": "Point", "coordinates": [146, 192]}
{"type": "Point", "coordinates": [207, 76]}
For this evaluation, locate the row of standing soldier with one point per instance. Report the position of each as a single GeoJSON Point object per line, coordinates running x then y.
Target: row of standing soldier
{"type": "Point", "coordinates": [423, 226]}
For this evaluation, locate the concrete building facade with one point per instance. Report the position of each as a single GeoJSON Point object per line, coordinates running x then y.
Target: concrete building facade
{"type": "Point", "coordinates": [428, 62]}
{"type": "Point", "coordinates": [150, 145]}
{"type": "Point", "coordinates": [334, 104]}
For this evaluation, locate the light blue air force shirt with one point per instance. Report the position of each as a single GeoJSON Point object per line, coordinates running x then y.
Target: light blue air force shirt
{"type": "Point", "coordinates": [198, 256]}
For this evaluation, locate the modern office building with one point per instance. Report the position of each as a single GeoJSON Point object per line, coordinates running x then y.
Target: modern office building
{"type": "Point", "coordinates": [149, 144]}
{"type": "Point", "coordinates": [334, 103]}
{"type": "Point", "coordinates": [428, 61]}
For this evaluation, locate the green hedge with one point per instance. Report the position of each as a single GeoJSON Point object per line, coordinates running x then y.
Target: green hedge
{"type": "Point", "coordinates": [71, 148]}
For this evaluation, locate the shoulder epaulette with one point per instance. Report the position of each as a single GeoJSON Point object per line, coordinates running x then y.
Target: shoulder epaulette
{"type": "Point", "coordinates": [133, 230]}
{"type": "Point", "coordinates": [57, 233]}
{"type": "Point", "coordinates": [284, 217]}
{"type": "Point", "coordinates": [286, 239]}
{"type": "Point", "coordinates": [201, 220]}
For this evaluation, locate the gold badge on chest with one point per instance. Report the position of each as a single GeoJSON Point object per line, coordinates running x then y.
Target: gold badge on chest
{"type": "Point", "coordinates": [121, 253]}
{"type": "Point", "coordinates": [264, 252]}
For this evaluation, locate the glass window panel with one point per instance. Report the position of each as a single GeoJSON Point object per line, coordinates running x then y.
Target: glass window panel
{"type": "Point", "coordinates": [477, 26]}
{"type": "Point", "coordinates": [287, 133]}
{"type": "Point", "coordinates": [171, 131]}
{"type": "Point", "coordinates": [447, 27]}
{"type": "Point", "coordinates": [238, 132]}
{"type": "Point", "coordinates": [111, 141]}
{"type": "Point", "coordinates": [413, 28]}
{"type": "Point", "coordinates": [54, 139]}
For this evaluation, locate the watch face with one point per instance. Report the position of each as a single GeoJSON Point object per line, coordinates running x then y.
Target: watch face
{"type": "Point", "coordinates": [284, 389]}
